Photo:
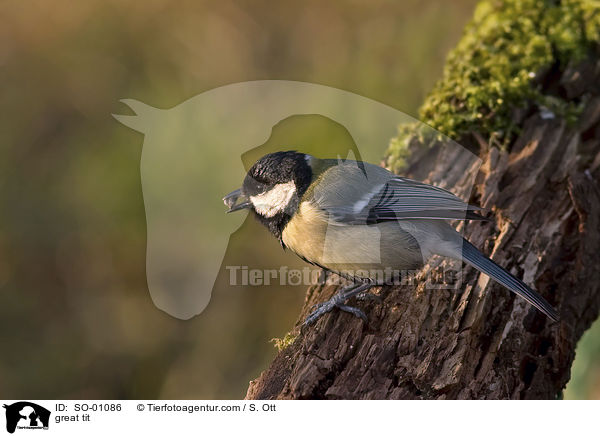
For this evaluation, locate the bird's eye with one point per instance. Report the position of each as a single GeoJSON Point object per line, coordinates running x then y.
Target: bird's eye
{"type": "Point", "coordinates": [253, 186]}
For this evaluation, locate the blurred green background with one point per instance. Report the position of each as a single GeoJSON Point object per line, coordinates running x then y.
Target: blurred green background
{"type": "Point", "coordinates": [76, 319]}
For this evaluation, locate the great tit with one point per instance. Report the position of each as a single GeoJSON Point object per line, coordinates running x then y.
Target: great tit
{"type": "Point", "coordinates": [362, 222]}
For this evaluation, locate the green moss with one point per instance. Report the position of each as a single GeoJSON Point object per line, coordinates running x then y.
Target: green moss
{"type": "Point", "coordinates": [493, 69]}
{"type": "Point", "coordinates": [283, 343]}
{"type": "Point", "coordinates": [397, 151]}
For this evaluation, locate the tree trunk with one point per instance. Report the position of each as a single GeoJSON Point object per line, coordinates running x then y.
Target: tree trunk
{"type": "Point", "coordinates": [481, 342]}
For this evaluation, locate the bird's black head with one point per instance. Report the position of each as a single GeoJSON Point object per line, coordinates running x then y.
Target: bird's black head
{"type": "Point", "coordinates": [273, 188]}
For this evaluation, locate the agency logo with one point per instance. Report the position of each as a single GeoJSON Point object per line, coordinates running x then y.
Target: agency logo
{"type": "Point", "coordinates": [26, 415]}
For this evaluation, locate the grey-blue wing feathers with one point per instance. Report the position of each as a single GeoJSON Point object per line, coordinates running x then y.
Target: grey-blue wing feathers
{"type": "Point", "coordinates": [353, 194]}
{"type": "Point", "coordinates": [402, 198]}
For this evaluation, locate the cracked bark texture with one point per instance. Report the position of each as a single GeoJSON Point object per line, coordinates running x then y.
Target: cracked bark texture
{"type": "Point", "coordinates": [481, 342]}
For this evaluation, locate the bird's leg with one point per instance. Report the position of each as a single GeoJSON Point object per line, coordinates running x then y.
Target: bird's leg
{"type": "Point", "coordinates": [323, 274]}
{"type": "Point", "coordinates": [338, 301]}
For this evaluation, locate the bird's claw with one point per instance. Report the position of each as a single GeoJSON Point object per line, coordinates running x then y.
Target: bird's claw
{"type": "Point", "coordinates": [338, 301]}
{"type": "Point", "coordinates": [354, 311]}
{"type": "Point", "coordinates": [316, 306]}
{"type": "Point", "coordinates": [327, 306]}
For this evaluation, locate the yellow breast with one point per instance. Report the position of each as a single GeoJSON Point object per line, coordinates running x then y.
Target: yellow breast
{"type": "Point", "coordinates": [352, 250]}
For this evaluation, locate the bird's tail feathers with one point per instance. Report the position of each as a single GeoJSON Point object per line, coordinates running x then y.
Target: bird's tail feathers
{"type": "Point", "coordinates": [476, 259]}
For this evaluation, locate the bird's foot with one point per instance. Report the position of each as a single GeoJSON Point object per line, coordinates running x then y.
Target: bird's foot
{"type": "Point", "coordinates": [353, 310]}
{"type": "Point", "coordinates": [327, 306]}
{"type": "Point", "coordinates": [338, 301]}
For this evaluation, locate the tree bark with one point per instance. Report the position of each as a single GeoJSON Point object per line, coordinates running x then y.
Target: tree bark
{"type": "Point", "coordinates": [481, 342]}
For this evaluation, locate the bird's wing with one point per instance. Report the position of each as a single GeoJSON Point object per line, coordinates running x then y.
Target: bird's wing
{"type": "Point", "coordinates": [370, 194]}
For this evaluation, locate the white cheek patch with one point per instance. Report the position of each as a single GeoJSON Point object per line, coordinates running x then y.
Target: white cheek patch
{"type": "Point", "coordinates": [275, 200]}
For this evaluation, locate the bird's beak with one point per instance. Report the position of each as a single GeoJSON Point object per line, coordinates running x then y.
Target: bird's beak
{"type": "Point", "coordinates": [231, 201]}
